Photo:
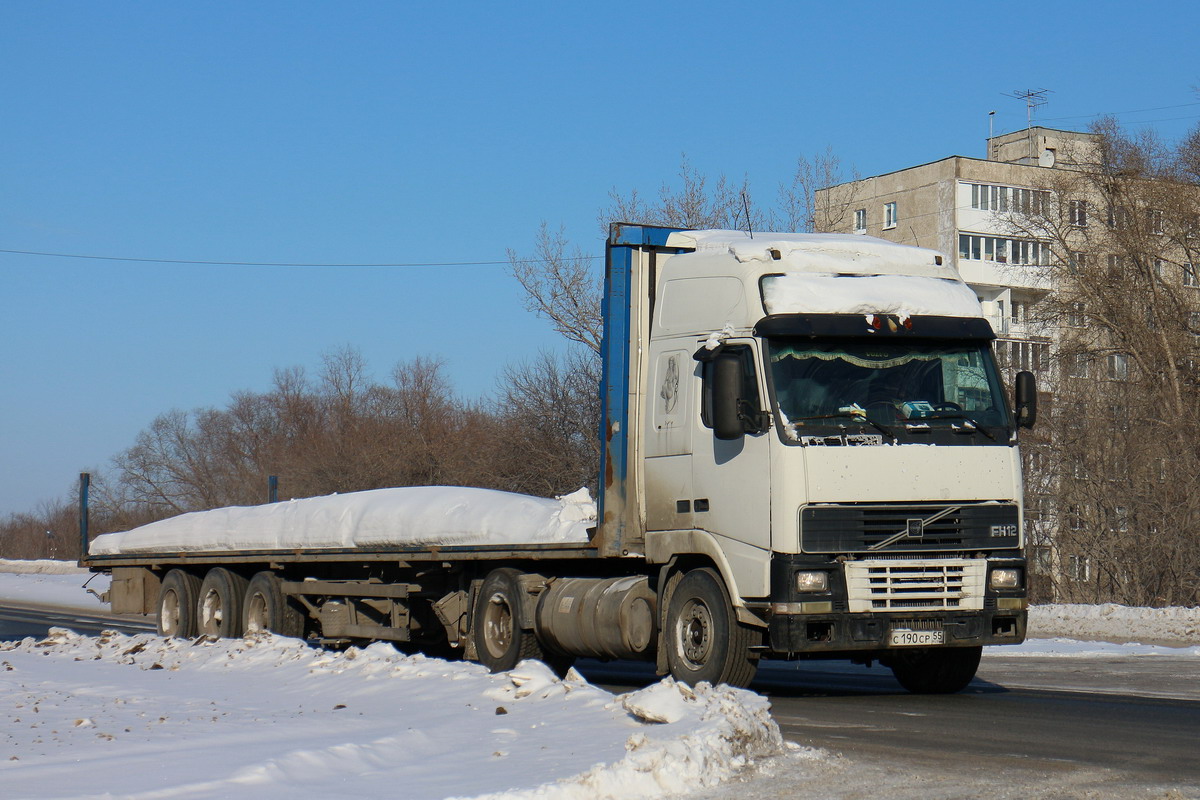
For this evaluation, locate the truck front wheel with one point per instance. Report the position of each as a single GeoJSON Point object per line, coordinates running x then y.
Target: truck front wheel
{"type": "Point", "coordinates": [501, 640]}
{"type": "Point", "coordinates": [177, 601]}
{"type": "Point", "coordinates": [704, 640]}
{"type": "Point", "coordinates": [219, 610]}
{"type": "Point", "coordinates": [936, 671]}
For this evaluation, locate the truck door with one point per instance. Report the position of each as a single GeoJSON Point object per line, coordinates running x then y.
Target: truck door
{"type": "Point", "coordinates": [731, 479]}
{"type": "Point", "coordinates": [668, 444]}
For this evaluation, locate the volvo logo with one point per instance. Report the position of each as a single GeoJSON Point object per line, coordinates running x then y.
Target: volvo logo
{"type": "Point", "coordinates": [914, 528]}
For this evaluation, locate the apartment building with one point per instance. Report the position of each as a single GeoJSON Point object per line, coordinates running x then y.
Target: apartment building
{"type": "Point", "coordinates": [1126, 249]}
{"type": "Point", "coordinates": [965, 207]}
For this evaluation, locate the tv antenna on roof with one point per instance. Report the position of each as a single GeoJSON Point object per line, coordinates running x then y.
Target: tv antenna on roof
{"type": "Point", "coordinates": [1034, 99]}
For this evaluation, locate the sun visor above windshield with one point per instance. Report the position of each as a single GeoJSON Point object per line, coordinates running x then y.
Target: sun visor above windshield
{"type": "Point", "coordinates": [874, 325]}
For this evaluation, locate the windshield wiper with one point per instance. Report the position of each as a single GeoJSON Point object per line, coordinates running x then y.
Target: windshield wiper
{"type": "Point", "coordinates": [856, 417]}
{"type": "Point", "coordinates": [969, 425]}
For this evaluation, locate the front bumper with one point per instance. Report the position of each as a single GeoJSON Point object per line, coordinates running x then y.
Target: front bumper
{"type": "Point", "coordinates": [949, 592]}
{"type": "Point", "coordinates": [795, 634]}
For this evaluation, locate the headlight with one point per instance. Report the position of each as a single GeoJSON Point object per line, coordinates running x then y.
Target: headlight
{"type": "Point", "coordinates": [815, 581]}
{"type": "Point", "coordinates": [1006, 578]}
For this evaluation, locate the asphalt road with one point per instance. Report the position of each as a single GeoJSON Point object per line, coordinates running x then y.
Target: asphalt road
{"type": "Point", "coordinates": [1028, 726]}
{"type": "Point", "coordinates": [17, 622]}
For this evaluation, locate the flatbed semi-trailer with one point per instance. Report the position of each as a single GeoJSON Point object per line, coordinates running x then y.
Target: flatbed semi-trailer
{"type": "Point", "coordinates": [807, 454]}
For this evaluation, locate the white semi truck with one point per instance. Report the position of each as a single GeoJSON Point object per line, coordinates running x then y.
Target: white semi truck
{"type": "Point", "coordinates": [807, 453]}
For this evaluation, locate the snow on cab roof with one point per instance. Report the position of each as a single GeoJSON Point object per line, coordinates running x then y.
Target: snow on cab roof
{"type": "Point", "coordinates": [829, 253]}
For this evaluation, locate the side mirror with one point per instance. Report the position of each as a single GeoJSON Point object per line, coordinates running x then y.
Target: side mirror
{"type": "Point", "coordinates": [1026, 396]}
{"type": "Point", "coordinates": [726, 387]}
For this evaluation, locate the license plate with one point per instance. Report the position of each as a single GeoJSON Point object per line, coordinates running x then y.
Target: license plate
{"type": "Point", "coordinates": [902, 637]}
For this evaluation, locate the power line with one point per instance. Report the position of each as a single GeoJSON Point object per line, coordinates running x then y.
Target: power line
{"type": "Point", "coordinates": [288, 264]}
{"type": "Point", "coordinates": [1114, 113]}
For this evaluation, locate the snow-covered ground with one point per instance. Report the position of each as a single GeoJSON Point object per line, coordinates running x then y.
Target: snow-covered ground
{"type": "Point", "coordinates": [139, 716]}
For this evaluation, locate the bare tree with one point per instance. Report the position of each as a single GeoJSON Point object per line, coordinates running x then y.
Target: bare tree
{"type": "Point", "coordinates": [560, 287]}
{"type": "Point", "coordinates": [801, 208]}
{"type": "Point", "coordinates": [1121, 484]}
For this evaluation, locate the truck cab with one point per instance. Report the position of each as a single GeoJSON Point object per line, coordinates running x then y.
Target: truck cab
{"type": "Point", "coordinates": [822, 415]}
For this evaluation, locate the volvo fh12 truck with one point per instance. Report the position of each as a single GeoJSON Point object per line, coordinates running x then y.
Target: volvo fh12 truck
{"type": "Point", "coordinates": [807, 453]}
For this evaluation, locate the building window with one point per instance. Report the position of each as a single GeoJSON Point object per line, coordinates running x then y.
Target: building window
{"type": "Point", "coordinates": [1076, 261]}
{"type": "Point", "coordinates": [1077, 365]}
{"type": "Point", "coordinates": [1020, 312]}
{"type": "Point", "coordinates": [1075, 317]}
{"type": "Point", "coordinates": [1116, 265]}
{"type": "Point", "coordinates": [860, 220]}
{"type": "Point", "coordinates": [1078, 211]}
{"type": "Point", "coordinates": [889, 215]}
{"type": "Point", "coordinates": [1019, 355]}
{"type": "Point", "coordinates": [1118, 366]}
{"type": "Point", "coordinates": [1189, 274]}
{"type": "Point", "coordinates": [1154, 218]}
{"type": "Point", "coordinates": [987, 197]}
{"type": "Point", "coordinates": [1004, 251]}
{"type": "Point", "coordinates": [1118, 218]}
{"type": "Point", "coordinates": [1079, 568]}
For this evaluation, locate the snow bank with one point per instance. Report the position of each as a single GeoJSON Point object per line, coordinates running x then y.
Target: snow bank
{"type": "Point", "coordinates": [1113, 623]}
{"type": "Point", "coordinates": [414, 515]}
{"type": "Point", "coordinates": [268, 717]}
{"type": "Point", "coordinates": [904, 295]}
{"type": "Point", "coordinates": [40, 566]}
{"type": "Point", "coordinates": [1071, 648]}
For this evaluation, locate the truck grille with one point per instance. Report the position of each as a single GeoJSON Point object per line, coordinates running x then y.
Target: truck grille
{"type": "Point", "coordinates": [856, 528]}
{"type": "Point", "coordinates": [915, 584]}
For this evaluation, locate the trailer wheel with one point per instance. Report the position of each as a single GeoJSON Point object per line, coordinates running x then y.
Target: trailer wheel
{"type": "Point", "coordinates": [501, 641]}
{"type": "Point", "coordinates": [267, 608]}
{"type": "Point", "coordinates": [219, 609]}
{"type": "Point", "coordinates": [705, 641]}
{"type": "Point", "coordinates": [177, 602]}
{"type": "Point", "coordinates": [936, 671]}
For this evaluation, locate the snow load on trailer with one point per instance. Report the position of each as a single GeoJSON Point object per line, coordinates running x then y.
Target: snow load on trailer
{"type": "Point", "coordinates": [402, 517]}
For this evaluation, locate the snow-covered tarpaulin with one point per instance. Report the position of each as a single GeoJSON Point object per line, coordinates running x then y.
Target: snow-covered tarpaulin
{"type": "Point", "coordinates": [403, 517]}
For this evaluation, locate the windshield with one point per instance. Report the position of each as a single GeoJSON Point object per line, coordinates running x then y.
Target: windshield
{"type": "Point", "coordinates": [937, 391]}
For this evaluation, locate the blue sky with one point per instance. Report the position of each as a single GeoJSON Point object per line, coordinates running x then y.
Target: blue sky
{"type": "Point", "coordinates": [370, 132]}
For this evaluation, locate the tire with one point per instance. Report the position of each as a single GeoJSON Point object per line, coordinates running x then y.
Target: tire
{"type": "Point", "coordinates": [177, 602]}
{"type": "Point", "coordinates": [267, 608]}
{"type": "Point", "coordinates": [936, 671]}
{"type": "Point", "coordinates": [500, 638]}
{"type": "Point", "coordinates": [704, 640]}
{"type": "Point", "coordinates": [219, 607]}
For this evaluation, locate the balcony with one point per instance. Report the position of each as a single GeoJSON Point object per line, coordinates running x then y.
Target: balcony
{"type": "Point", "coordinates": [995, 273]}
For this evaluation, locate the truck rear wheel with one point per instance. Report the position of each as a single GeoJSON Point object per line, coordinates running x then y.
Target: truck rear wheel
{"type": "Point", "coordinates": [267, 608]}
{"type": "Point", "coordinates": [936, 671]}
{"type": "Point", "coordinates": [177, 602]}
{"type": "Point", "coordinates": [219, 609]}
{"type": "Point", "coordinates": [501, 640]}
{"type": "Point", "coordinates": [705, 641]}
